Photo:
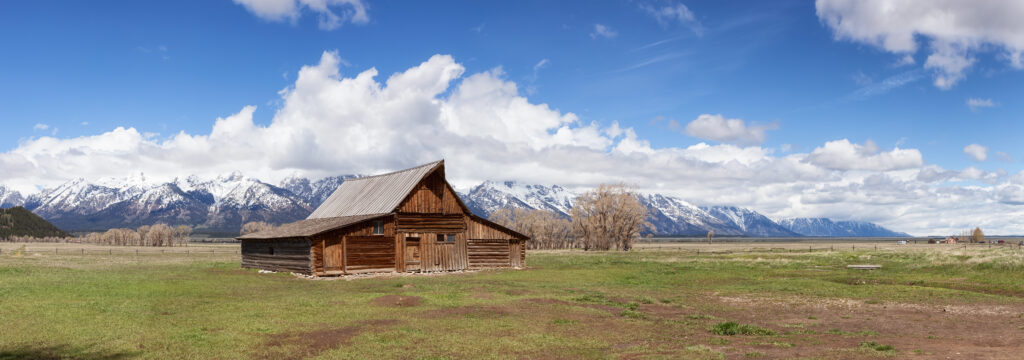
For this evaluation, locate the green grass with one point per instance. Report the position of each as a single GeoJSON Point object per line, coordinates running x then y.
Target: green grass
{"type": "Point", "coordinates": [577, 305]}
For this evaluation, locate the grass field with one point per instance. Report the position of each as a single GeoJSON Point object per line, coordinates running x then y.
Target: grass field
{"type": "Point", "coordinates": [732, 301]}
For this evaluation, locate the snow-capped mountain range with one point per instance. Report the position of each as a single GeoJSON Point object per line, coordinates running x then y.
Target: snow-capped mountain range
{"type": "Point", "coordinates": [224, 203]}
{"type": "Point", "coordinates": [830, 228]}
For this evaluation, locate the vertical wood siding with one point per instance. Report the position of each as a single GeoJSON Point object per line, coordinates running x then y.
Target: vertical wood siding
{"type": "Point", "coordinates": [432, 196]}
{"type": "Point", "coordinates": [337, 239]}
{"type": "Point", "coordinates": [369, 253]}
{"type": "Point", "coordinates": [441, 256]}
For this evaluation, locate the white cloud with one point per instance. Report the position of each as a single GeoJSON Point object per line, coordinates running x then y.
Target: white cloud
{"type": "Point", "coordinates": [331, 13]}
{"type": "Point", "coordinates": [844, 155]}
{"type": "Point", "coordinates": [603, 31]}
{"type": "Point", "coordinates": [976, 152]}
{"type": "Point", "coordinates": [976, 104]}
{"type": "Point", "coordinates": [954, 31]}
{"type": "Point", "coordinates": [718, 128]}
{"type": "Point", "coordinates": [541, 64]}
{"type": "Point", "coordinates": [671, 13]}
{"type": "Point", "coordinates": [329, 124]}
{"type": "Point", "coordinates": [40, 127]}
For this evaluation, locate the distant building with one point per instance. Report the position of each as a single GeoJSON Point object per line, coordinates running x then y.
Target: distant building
{"type": "Point", "coordinates": [404, 221]}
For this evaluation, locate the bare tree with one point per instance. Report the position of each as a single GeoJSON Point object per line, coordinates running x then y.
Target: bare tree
{"type": "Point", "coordinates": [546, 229]}
{"type": "Point", "coordinates": [143, 230]}
{"type": "Point", "coordinates": [255, 226]}
{"type": "Point", "coordinates": [160, 235]}
{"type": "Point", "coordinates": [183, 234]}
{"type": "Point", "coordinates": [609, 216]}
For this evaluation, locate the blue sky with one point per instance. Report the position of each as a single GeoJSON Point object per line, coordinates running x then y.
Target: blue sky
{"type": "Point", "coordinates": [74, 70]}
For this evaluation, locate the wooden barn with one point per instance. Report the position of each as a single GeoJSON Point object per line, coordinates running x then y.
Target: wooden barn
{"type": "Point", "coordinates": [406, 221]}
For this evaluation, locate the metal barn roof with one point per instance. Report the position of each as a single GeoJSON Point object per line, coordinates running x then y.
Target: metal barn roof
{"type": "Point", "coordinates": [309, 227]}
{"type": "Point", "coordinates": [376, 194]}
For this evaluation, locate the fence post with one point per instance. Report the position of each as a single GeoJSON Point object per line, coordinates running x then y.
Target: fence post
{"type": "Point", "coordinates": [136, 252]}
{"type": "Point", "coordinates": [110, 251]}
{"type": "Point", "coordinates": [854, 247]}
{"type": "Point", "coordinates": [56, 251]}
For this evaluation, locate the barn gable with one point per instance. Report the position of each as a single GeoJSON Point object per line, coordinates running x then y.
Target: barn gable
{"type": "Point", "coordinates": [376, 194]}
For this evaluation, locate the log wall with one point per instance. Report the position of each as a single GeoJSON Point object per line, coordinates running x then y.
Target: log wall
{"type": "Point", "coordinates": [435, 223]}
{"type": "Point", "coordinates": [488, 253]}
{"type": "Point", "coordinates": [289, 254]}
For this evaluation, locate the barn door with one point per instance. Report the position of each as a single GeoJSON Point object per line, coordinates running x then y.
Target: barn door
{"type": "Point", "coordinates": [412, 253]}
{"type": "Point", "coordinates": [333, 254]}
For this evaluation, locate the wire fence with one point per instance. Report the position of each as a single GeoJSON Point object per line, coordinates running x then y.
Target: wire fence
{"type": "Point", "coordinates": [137, 252]}
{"type": "Point", "coordinates": [811, 249]}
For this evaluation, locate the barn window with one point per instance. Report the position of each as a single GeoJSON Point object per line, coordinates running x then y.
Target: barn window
{"type": "Point", "coordinates": [440, 237]}
{"type": "Point", "coordinates": [378, 227]}
{"type": "Point", "coordinates": [446, 238]}
{"type": "Point", "coordinates": [271, 250]}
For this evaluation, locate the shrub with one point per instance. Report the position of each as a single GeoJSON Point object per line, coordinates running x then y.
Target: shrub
{"type": "Point", "coordinates": [733, 328]}
{"type": "Point", "coordinates": [876, 346]}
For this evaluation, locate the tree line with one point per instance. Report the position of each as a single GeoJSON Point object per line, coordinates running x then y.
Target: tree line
{"type": "Point", "coordinates": [608, 217]}
{"type": "Point", "coordinates": [147, 235]}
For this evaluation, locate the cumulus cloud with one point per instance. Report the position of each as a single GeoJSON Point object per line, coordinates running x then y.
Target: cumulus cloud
{"type": "Point", "coordinates": [671, 13]}
{"type": "Point", "coordinates": [603, 31]}
{"type": "Point", "coordinates": [977, 152]}
{"type": "Point", "coordinates": [363, 123]}
{"type": "Point", "coordinates": [331, 13]}
{"type": "Point", "coordinates": [953, 31]}
{"type": "Point", "coordinates": [976, 104]}
{"type": "Point", "coordinates": [40, 127]}
{"type": "Point", "coordinates": [844, 155]}
{"type": "Point", "coordinates": [735, 131]}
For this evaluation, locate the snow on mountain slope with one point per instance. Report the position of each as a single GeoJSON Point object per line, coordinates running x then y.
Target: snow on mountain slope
{"type": "Point", "coordinates": [669, 215]}
{"type": "Point", "coordinates": [492, 195]}
{"type": "Point", "coordinates": [10, 198]}
{"type": "Point", "coordinates": [830, 228]}
{"type": "Point", "coordinates": [314, 192]}
{"type": "Point", "coordinates": [220, 204]}
{"type": "Point", "coordinates": [675, 216]}
{"type": "Point", "coordinates": [750, 222]}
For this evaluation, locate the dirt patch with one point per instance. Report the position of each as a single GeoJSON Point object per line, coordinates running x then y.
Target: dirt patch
{"type": "Point", "coordinates": [837, 328]}
{"type": "Point", "coordinates": [546, 301]}
{"type": "Point", "coordinates": [300, 345]}
{"type": "Point", "coordinates": [486, 312]}
{"type": "Point", "coordinates": [484, 296]}
{"type": "Point", "coordinates": [397, 301]}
